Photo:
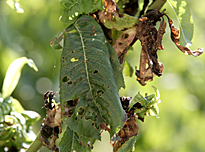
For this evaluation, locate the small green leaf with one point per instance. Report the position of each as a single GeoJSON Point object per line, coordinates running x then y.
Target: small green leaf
{"type": "Point", "coordinates": [128, 145]}
{"type": "Point", "coordinates": [15, 5]}
{"type": "Point", "coordinates": [150, 97]}
{"type": "Point", "coordinates": [128, 70]}
{"type": "Point", "coordinates": [138, 98]}
{"type": "Point", "coordinates": [185, 20]}
{"type": "Point", "coordinates": [156, 99]}
{"type": "Point", "coordinates": [16, 106]}
{"type": "Point", "coordinates": [13, 74]}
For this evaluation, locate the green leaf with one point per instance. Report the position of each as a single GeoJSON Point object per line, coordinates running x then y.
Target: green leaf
{"type": "Point", "coordinates": [31, 118]}
{"type": "Point", "coordinates": [156, 99]}
{"type": "Point", "coordinates": [71, 142]}
{"type": "Point", "coordinates": [128, 70]}
{"type": "Point", "coordinates": [150, 97]}
{"type": "Point", "coordinates": [138, 98]}
{"type": "Point", "coordinates": [15, 5]}
{"type": "Point", "coordinates": [5, 107]}
{"type": "Point", "coordinates": [185, 20]}
{"type": "Point", "coordinates": [90, 81]}
{"type": "Point", "coordinates": [16, 106]}
{"type": "Point", "coordinates": [116, 22]}
{"type": "Point", "coordinates": [128, 145]}
{"type": "Point", "coordinates": [154, 111]}
{"type": "Point", "coordinates": [74, 8]}
{"type": "Point", "coordinates": [13, 74]}
{"type": "Point", "coordinates": [157, 4]}
{"type": "Point", "coordinates": [116, 67]}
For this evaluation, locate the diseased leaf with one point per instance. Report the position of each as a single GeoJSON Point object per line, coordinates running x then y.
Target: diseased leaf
{"type": "Point", "coordinates": [88, 85]}
{"type": "Point", "coordinates": [124, 40]}
{"type": "Point", "coordinates": [176, 39]}
{"type": "Point", "coordinates": [113, 21]}
{"type": "Point", "coordinates": [71, 141]}
{"type": "Point", "coordinates": [151, 41]}
{"type": "Point", "coordinates": [13, 74]}
{"type": "Point", "coordinates": [185, 20]}
{"type": "Point", "coordinates": [74, 8]}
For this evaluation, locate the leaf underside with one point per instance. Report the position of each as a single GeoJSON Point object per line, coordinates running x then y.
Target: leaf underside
{"type": "Point", "coordinates": [89, 67]}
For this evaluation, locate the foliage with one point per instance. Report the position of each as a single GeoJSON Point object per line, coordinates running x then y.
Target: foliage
{"type": "Point", "coordinates": [86, 76]}
{"type": "Point", "coordinates": [15, 122]}
{"type": "Point", "coordinates": [79, 103]}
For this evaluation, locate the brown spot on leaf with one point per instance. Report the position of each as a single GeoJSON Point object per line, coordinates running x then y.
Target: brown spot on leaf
{"type": "Point", "coordinates": [70, 82]}
{"type": "Point", "coordinates": [175, 38]}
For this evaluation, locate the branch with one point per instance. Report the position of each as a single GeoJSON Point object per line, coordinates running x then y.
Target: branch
{"type": "Point", "coordinates": [36, 144]}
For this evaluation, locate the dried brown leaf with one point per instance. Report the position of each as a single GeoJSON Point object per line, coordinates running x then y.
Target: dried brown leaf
{"type": "Point", "coordinates": [52, 124]}
{"type": "Point", "coordinates": [124, 40]}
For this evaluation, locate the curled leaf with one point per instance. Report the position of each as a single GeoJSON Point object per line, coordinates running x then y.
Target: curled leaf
{"type": "Point", "coordinates": [13, 74]}
{"type": "Point", "coordinates": [176, 37]}
{"type": "Point", "coordinates": [151, 41]}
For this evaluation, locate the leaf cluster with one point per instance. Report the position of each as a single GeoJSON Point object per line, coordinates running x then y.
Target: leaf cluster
{"type": "Point", "coordinates": [15, 122]}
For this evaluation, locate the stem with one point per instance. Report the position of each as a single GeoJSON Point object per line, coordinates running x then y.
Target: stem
{"type": "Point", "coordinates": [157, 4]}
{"type": "Point", "coordinates": [36, 144]}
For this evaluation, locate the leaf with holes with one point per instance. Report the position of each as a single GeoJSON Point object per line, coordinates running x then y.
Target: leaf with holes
{"type": "Point", "coordinates": [71, 142]}
{"type": "Point", "coordinates": [87, 80]}
{"type": "Point", "coordinates": [74, 8]}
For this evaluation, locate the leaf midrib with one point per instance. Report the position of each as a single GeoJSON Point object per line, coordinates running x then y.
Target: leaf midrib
{"type": "Point", "coordinates": [86, 66]}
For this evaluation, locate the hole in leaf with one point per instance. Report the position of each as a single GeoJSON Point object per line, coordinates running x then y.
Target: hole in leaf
{"type": "Point", "coordinates": [95, 72]}
{"type": "Point", "coordinates": [100, 91]}
{"type": "Point", "coordinates": [70, 82]}
{"type": "Point", "coordinates": [119, 43]}
{"type": "Point", "coordinates": [72, 103]}
{"type": "Point", "coordinates": [72, 51]}
{"type": "Point", "coordinates": [76, 118]}
{"type": "Point", "coordinates": [65, 78]}
{"type": "Point", "coordinates": [81, 111]}
{"type": "Point", "coordinates": [124, 36]}
{"type": "Point", "coordinates": [56, 130]}
{"type": "Point", "coordinates": [74, 59]}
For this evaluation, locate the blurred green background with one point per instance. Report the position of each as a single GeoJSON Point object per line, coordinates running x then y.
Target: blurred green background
{"type": "Point", "coordinates": [181, 126]}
